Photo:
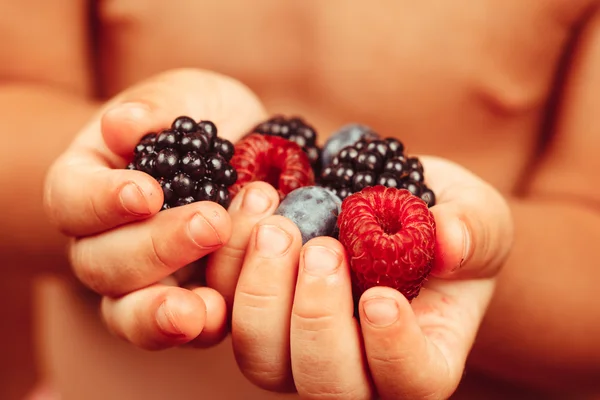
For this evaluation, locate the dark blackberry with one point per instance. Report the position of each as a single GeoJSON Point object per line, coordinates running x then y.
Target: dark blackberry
{"type": "Point", "coordinates": [184, 124]}
{"type": "Point", "coordinates": [369, 161]}
{"type": "Point", "coordinates": [412, 186]}
{"type": "Point", "coordinates": [296, 130]}
{"type": "Point", "coordinates": [428, 196]}
{"type": "Point", "coordinates": [372, 161]}
{"type": "Point", "coordinates": [206, 191]}
{"type": "Point", "coordinates": [343, 174]}
{"type": "Point", "coordinates": [223, 197]}
{"type": "Point", "coordinates": [363, 179]}
{"type": "Point", "coordinates": [379, 146]}
{"type": "Point", "coordinates": [342, 192]}
{"type": "Point", "coordinates": [189, 161]}
{"type": "Point", "coordinates": [195, 141]}
{"type": "Point", "coordinates": [167, 163]}
{"type": "Point", "coordinates": [194, 165]}
{"type": "Point", "coordinates": [167, 138]}
{"type": "Point", "coordinates": [146, 144]}
{"type": "Point", "coordinates": [223, 147]}
{"type": "Point", "coordinates": [416, 175]}
{"type": "Point", "coordinates": [389, 179]}
{"type": "Point", "coordinates": [208, 128]}
{"type": "Point", "coordinates": [396, 166]}
{"type": "Point", "coordinates": [414, 164]}
{"type": "Point", "coordinates": [395, 146]}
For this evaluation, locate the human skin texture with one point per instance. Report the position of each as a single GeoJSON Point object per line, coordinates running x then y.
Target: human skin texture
{"type": "Point", "coordinates": [485, 85]}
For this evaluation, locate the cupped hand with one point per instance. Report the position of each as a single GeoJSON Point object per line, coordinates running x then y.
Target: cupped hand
{"type": "Point", "coordinates": [125, 249]}
{"type": "Point", "coordinates": [294, 326]}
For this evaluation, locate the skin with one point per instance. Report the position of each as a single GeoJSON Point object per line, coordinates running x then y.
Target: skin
{"type": "Point", "coordinates": [498, 75]}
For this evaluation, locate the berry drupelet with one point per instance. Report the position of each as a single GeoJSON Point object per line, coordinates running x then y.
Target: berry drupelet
{"type": "Point", "coordinates": [189, 161]}
{"type": "Point", "coordinates": [373, 161]}
{"type": "Point", "coordinates": [296, 130]}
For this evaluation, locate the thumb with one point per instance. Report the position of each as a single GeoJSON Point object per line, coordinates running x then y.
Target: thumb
{"type": "Point", "coordinates": [474, 223]}
{"type": "Point", "coordinates": [153, 104]}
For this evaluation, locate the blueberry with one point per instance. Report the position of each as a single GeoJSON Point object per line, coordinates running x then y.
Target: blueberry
{"type": "Point", "coordinates": [347, 135]}
{"type": "Point", "coordinates": [313, 209]}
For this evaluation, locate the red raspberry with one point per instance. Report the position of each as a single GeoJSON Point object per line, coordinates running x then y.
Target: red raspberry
{"type": "Point", "coordinates": [271, 159]}
{"type": "Point", "coordinates": [389, 235]}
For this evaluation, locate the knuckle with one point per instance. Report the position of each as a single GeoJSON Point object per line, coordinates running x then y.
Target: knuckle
{"type": "Point", "coordinates": [257, 296]}
{"type": "Point", "coordinates": [271, 375]}
{"type": "Point", "coordinates": [85, 268]}
{"type": "Point", "coordinates": [230, 252]}
{"type": "Point", "coordinates": [312, 321]}
{"type": "Point", "coordinates": [317, 389]}
{"type": "Point", "coordinates": [103, 219]}
{"type": "Point", "coordinates": [158, 257]}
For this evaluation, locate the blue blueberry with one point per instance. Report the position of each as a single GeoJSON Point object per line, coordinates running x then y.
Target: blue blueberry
{"type": "Point", "coordinates": [347, 135]}
{"type": "Point", "coordinates": [313, 209]}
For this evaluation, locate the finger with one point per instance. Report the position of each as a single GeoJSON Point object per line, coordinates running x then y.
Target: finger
{"type": "Point", "coordinates": [474, 230]}
{"type": "Point", "coordinates": [140, 254]}
{"type": "Point", "coordinates": [83, 193]}
{"type": "Point", "coordinates": [254, 203]}
{"type": "Point", "coordinates": [215, 327]}
{"type": "Point", "coordinates": [420, 352]}
{"type": "Point", "coordinates": [156, 317]}
{"type": "Point", "coordinates": [326, 348]}
{"type": "Point", "coordinates": [263, 302]}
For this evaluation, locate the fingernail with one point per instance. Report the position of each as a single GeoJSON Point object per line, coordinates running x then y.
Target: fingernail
{"type": "Point", "coordinates": [466, 244]}
{"type": "Point", "coordinates": [381, 311]}
{"type": "Point", "coordinates": [131, 111]}
{"type": "Point", "coordinates": [133, 200]}
{"type": "Point", "coordinates": [167, 321]}
{"type": "Point", "coordinates": [255, 201]}
{"type": "Point", "coordinates": [203, 233]}
{"type": "Point", "coordinates": [272, 241]}
{"type": "Point", "coordinates": [320, 260]}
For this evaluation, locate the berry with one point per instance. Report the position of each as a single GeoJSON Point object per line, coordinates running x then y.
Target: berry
{"type": "Point", "coordinates": [389, 236]}
{"type": "Point", "coordinates": [313, 209]}
{"type": "Point", "coordinates": [272, 159]}
{"type": "Point", "coordinates": [189, 161]}
{"type": "Point", "coordinates": [223, 147]}
{"type": "Point", "coordinates": [371, 162]}
{"type": "Point", "coordinates": [184, 124]}
{"type": "Point", "coordinates": [296, 130]}
{"type": "Point", "coordinates": [347, 135]}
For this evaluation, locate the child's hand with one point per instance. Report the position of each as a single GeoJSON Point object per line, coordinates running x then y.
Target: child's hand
{"type": "Point", "coordinates": [125, 250]}
{"type": "Point", "coordinates": [293, 326]}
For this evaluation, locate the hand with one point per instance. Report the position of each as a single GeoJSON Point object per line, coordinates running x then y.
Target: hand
{"type": "Point", "coordinates": [121, 247]}
{"type": "Point", "coordinates": [293, 324]}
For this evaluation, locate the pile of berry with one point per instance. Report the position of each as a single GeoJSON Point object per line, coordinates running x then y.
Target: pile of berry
{"type": "Point", "coordinates": [296, 130]}
{"type": "Point", "coordinates": [190, 162]}
{"type": "Point", "coordinates": [371, 162]}
{"type": "Point", "coordinates": [370, 194]}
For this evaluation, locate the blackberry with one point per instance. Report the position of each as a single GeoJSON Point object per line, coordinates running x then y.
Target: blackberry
{"type": "Point", "coordinates": [296, 130]}
{"type": "Point", "coordinates": [374, 161]}
{"type": "Point", "coordinates": [189, 161]}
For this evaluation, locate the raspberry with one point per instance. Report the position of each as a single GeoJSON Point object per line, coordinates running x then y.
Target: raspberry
{"type": "Point", "coordinates": [189, 161]}
{"type": "Point", "coordinates": [389, 235]}
{"type": "Point", "coordinates": [296, 130]}
{"type": "Point", "coordinates": [272, 159]}
{"type": "Point", "coordinates": [373, 161]}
